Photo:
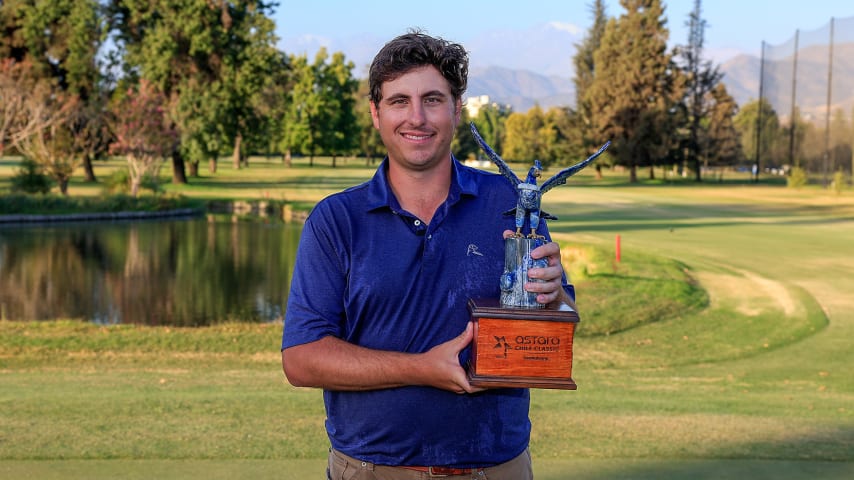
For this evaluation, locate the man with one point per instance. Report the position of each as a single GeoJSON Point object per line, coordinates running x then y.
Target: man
{"type": "Point", "coordinates": [377, 312]}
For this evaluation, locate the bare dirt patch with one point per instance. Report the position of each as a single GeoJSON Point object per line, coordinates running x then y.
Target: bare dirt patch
{"type": "Point", "coordinates": [747, 292]}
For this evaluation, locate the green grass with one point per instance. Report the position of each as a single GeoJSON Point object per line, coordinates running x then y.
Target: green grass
{"type": "Point", "coordinates": [57, 204]}
{"type": "Point", "coordinates": [718, 347]}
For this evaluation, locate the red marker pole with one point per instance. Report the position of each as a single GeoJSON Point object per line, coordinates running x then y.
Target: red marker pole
{"type": "Point", "coordinates": [618, 248]}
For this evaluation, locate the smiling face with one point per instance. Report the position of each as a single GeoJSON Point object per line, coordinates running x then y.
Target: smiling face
{"type": "Point", "coordinates": [416, 119]}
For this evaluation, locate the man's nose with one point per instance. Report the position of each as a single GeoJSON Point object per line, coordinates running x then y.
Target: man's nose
{"type": "Point", "coordinates": [417, 114]}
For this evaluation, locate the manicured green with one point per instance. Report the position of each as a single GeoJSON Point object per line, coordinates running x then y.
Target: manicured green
{"type": "Point", "coordinates": [718, 347]}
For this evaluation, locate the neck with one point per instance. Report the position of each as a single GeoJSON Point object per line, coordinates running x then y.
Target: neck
{"type": "Point", "coordinates": [421, 192]}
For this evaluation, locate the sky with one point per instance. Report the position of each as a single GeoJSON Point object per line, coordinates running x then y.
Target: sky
{"type": "Point", "coordinates": [359, 29]}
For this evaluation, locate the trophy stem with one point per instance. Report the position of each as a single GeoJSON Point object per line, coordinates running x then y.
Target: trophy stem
{"type": "Point", "coordinates": [517, 261]}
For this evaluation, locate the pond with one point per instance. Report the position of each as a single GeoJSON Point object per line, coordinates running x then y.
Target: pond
{"type": "Point", "coordinates": [185, 272]}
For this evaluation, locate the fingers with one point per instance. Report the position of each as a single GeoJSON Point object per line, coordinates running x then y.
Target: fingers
{"type": "Point", "coordinates": [465, 338]}
{"type": "Point", "coordinates": [462, 380]}
{"type": "Point", "coordinates": [443, 365]}
{"type": "Point", "coordinates": [550, 286]}
{"type": "Point", "coordinates": [550, 251]}
{"type": "Point", "coordinates": [549, 289]}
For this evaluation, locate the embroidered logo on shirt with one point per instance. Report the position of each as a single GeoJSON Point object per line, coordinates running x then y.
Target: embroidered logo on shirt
{"type": "Point", "coordinates": [472, 250]}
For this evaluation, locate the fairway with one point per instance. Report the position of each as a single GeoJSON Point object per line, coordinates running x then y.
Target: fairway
{"type": "Point", "coordinates": [755, 384]}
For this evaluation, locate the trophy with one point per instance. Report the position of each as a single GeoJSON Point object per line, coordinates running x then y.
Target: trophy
{"type": "Point", "coordinates": [517, 341]}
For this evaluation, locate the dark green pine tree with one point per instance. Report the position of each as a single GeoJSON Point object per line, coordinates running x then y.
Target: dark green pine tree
{"type": "Point", "coordinates": [585, 71]}
{"type": "Point", "coordinates": [637, 87]}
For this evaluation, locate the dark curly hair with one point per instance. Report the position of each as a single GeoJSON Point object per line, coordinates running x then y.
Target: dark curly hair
{"type": "Point", "coordinates": [416, 49]}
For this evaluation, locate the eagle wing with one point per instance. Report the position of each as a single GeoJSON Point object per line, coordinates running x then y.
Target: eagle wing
{"type": "Point", "coordinates": [502, 167]}
{"type": "Point", "coordinates": [560, 177]}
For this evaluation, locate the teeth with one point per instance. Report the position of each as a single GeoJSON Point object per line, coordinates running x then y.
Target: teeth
{"type": "Point", "coordinates": [417, 137]}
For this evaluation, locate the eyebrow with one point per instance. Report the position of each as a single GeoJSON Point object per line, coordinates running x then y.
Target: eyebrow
{"type": "Point", "coordinates": [431, 93]}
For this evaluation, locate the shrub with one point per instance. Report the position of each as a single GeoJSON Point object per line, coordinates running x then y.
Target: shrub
{"type": "Point", "coordinates": [120, 182]}
{"type": "Point", "coordinates": [797, 178]}
{"type": "Point", "coordinates": [840, 181]}
{"type": "Point", "coordinates": [29, 178]}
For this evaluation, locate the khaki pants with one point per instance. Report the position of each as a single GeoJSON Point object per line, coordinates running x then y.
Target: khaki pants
{"type": "Point", "coordinates": [343, 467]}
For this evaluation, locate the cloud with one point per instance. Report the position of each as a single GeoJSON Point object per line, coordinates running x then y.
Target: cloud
{"type": "Point", "coordinates": [566, 27]}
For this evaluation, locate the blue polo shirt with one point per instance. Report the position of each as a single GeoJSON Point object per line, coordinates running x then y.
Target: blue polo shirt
{"type": "Point", "coordinates": [374, 275]}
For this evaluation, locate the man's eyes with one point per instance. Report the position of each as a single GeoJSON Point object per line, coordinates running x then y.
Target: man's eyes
{"type": "Point", "coordinates": [426, 100]}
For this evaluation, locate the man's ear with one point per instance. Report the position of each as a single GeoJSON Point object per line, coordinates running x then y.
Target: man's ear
{"type": "Point", "coordinates": [375, 115]}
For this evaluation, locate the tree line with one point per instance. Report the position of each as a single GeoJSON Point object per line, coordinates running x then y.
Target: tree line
{"type": "Point", "coordinates": [184, 83]}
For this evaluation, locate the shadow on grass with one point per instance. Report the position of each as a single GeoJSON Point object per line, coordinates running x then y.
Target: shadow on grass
{"type": "Point", "coordinates": [580, 469]}
{"type": "Point", "coordinates": [656, 469]}
{"type": "Point", "coordinates": [293, 183]}
{"type": "Point", "coordinates": [599, 218]}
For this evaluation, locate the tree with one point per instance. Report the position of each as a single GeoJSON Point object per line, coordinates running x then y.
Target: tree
{"type": "Point", "coordinates": [13, 88]}
{"type": "Point", "coordinates": [463, 145]}
{"type": "Point", "coordinates": [250, 63]}
{"type": "Point", "coordinates": [796, 131]}
{"type": "Point", "coordinates": [302, 105]}
{"type": "Point", "coordinates": [59, 41]}
{"type": "Point", "coordinates": [491, 123]}
{"type": "Point", "coordinates": [722, 145]}
{"type": "Point", "coordinates": [636, 87]}
{"type": "Point", "coordinates": [755, 122]}
{"type": "Point", "coordinates": [549, 136]}
{"type": "Point", "coordinates": [562, 143]}
{"type": "Point", "coordinates": [205, 56]}
{"type": "Point", "coordinates": [523, 141]}
{"type": "Point", "coordinates": [841, 139]}
{"type": "Point", "coordinates": [143, 133]}
{"type": "Point", "coordinates": [338, 117]}
{"type": "Point", "coordinates": [320, 114]}
{"type": "Point", "coordinates": [370, 143]}
{"type": "Point", "coordinates": [585, 72]}
{"type": "Point", "coordinates": [42, 134]}
{"type": "Point", "coordinates": [272, 105]}
{"type": "Point", "coordinates": [701, 79]}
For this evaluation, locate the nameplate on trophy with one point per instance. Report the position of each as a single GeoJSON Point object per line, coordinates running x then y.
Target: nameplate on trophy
{"type": "Point", "coordinates": [517, 347]}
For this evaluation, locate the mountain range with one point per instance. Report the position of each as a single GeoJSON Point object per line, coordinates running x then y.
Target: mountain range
{"type": "Point", "coordinates": [521, 89]}
{"type": "Point", "coordinates": [522, 68]}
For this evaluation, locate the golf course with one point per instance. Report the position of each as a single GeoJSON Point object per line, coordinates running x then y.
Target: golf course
{"type": "Point", "coordinates": [716, 341]}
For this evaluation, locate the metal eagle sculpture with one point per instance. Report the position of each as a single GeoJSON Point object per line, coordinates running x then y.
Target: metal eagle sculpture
{"type": "Point", "coordinates": [530, 194]}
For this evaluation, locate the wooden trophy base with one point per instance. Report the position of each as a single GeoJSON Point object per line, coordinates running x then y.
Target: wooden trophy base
{"type": "Point", "coordinates": [521, 347]}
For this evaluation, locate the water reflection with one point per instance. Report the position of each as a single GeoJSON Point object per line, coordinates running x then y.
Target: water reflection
{"type": "Point", "coordinates": [169, 272]}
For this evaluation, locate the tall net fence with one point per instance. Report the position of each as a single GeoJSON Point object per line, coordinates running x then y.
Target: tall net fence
{"type": "Point", "coordinates": [808, 83]}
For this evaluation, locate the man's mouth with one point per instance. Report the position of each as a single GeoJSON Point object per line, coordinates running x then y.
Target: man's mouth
{"type": "Point", "coordinates": [414, 137]}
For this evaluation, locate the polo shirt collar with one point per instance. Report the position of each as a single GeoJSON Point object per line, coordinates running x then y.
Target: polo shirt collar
{"type": "Point", "coordinates": [381, 196]}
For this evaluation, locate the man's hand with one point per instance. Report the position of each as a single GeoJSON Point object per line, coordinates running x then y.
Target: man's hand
{"type": "Point", "coordinates": [442, 364]}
